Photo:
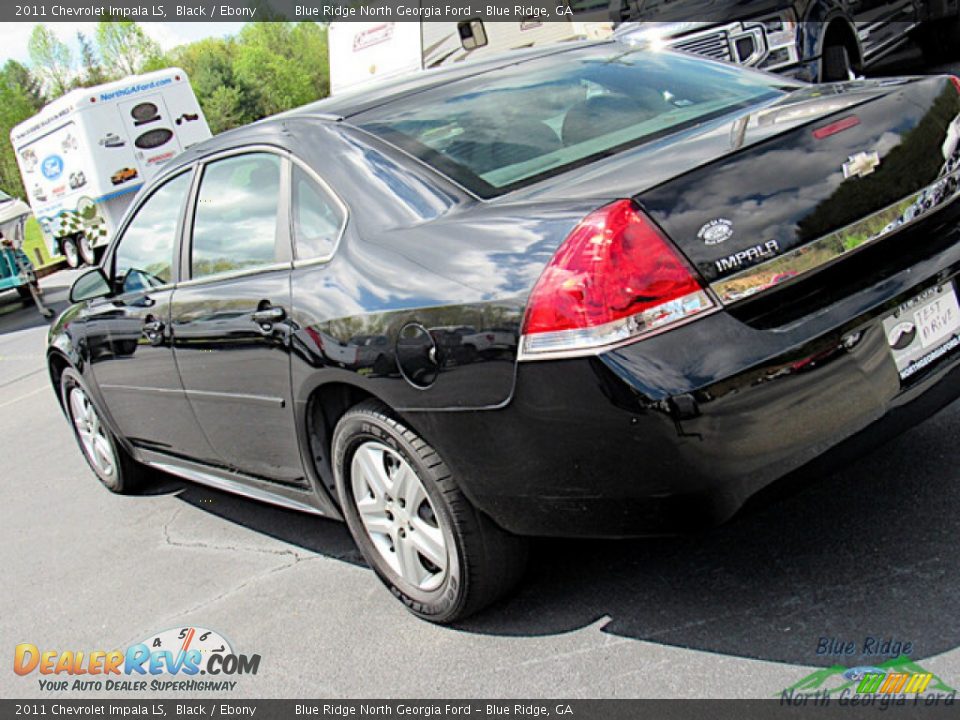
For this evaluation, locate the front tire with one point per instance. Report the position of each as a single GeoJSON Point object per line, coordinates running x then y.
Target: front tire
{"type": "Point", "coordinates": [88, 254]}
{"type": "Point", "coordinates": [115, 469]}
{"type": "Point", "coordinates": [434, 551]}
{"type": "Point", "coordinates": [835, 64]}
{"type": "Point", "coordinates": [68, 246]}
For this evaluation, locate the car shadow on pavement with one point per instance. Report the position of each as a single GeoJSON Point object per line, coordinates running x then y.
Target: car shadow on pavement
{"type": "Point", "coordinates": [868, 551]}
{"type": "Point", "coordinates": [319, 535]}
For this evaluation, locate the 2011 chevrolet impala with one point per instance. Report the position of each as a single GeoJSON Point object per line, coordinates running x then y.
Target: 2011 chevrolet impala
{"type": "Point", "coordinates": [582, 291]}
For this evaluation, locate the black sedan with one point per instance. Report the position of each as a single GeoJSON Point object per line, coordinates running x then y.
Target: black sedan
{"type": "Point", "coordinates": [612, 292]}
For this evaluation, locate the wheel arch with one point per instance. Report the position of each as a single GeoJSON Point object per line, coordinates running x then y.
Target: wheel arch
{"type": "Point", "coordinates": [57, 362]}
{"type": "Point", "coordinates": [838, 30]}
{"type": "Point", "coordinates": [325, 405]}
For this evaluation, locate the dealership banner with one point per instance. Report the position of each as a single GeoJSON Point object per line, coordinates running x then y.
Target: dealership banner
{"type": "Point", "coordinates": [827, 709]}
{"type": "Point", "coordinates": [528, 11]}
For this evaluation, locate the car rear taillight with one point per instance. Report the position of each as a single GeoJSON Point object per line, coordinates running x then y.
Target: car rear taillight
{"type": "Point", "coordinates": [615, 278]}
{"type": "Point", "coordinates": [956, 82]}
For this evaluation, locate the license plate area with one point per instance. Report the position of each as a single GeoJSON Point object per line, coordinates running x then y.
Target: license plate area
{"type": "Point", "coordinates": [923, 330]}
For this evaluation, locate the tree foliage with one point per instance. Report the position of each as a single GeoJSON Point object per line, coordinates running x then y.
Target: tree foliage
{"type": "Point", "coordinates": [125, 47]}
{"type": "Point", "coordinates": [19, 99]}
{"type": "Point", "coordinates": [51, 60]}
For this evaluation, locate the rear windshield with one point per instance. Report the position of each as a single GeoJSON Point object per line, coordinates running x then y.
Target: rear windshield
{"type": "Point", "coordinates": [500, 130]}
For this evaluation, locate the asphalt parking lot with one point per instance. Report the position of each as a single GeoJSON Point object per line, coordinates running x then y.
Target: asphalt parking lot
{"type": "Point", "coordinates": [868, 551]}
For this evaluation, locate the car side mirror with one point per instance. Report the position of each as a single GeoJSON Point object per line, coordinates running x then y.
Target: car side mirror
{"type": "Point", "coordinates": [92, 284]}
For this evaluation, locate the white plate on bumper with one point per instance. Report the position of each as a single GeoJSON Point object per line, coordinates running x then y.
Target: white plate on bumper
{"type": "Point", "coordinates": [924, 329]}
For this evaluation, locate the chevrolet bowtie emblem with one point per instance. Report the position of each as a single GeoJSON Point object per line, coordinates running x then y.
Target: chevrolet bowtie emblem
{"type": "Point", "coordinates": [861, 164]}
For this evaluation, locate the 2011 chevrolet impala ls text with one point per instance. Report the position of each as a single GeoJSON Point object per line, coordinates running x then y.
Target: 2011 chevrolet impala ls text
{"type": "Point", "coordinates": [581, 291]}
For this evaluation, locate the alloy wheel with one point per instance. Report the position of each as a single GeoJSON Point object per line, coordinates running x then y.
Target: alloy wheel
{"type": "Point", "coordinates": [398, 516]}
{"type": "Point", "coordinates": [93, 435]}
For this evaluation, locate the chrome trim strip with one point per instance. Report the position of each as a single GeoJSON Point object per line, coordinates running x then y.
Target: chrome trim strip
{"type": "Point", "coordinates": [234, 486]}
{"type": "Point", "coordinates": [143, 390]}
{"type": "Point", "coordinates": [201, 395]}
{"type": "Point", "coordinates": [826, 250]}
{"type": "Point", "coordinates": [233, 274]}
{"type": "Point", "coordinates": [600, 350]}
{"type": "Point", "coordinates": [236, 397]}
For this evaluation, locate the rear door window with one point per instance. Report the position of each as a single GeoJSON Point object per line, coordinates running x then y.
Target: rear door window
{"type": "Point", "coordinates": [318, 218]}
{"type": "Point", "coordinates": [236, 217]}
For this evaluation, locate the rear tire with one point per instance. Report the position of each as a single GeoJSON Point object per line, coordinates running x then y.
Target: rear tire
{"type": "Point", "coordinates": [461, 562]}
{"type": "Point", "coordinates": [88, 254]}
{"type": "Point", "coordinates": [115, 469]}
{"type": "Point", "coordinates": [835, 64]}
{"type": "Point", "coordinates": [68, 246]}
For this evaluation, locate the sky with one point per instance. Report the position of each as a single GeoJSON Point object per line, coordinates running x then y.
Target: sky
{"type": "Point", "coordinates": [14, 36]}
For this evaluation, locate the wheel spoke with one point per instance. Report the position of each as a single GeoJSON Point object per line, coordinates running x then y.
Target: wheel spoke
{"type": "Point", "coordinates": [77, 405]}
{"type": "Point", "coordinates": [411, 568]}
{"type": "Point", "coordinates": [428, 540]}
{"type": "Point", "coordinates": [406, 486]}
{"type": "Point", "coordinates": [370, 462]}
{"type": "Point", "coordinates": [374, 516]}
{"type": "Point", "coordinates": [94, 421]}
{"type": "Point", "coordinates": [104, 452]}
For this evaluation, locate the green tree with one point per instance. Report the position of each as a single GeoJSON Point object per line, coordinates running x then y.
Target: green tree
{"type": "Point", "coordinates": [51, 60]}
{"type": "Point", "coordinates": [92, 71]}
{"type": "Point", "coordinates": [285, 62]}
{"type": "Point", "coordinates": [21, 76]}
{"type": "Point", "coordinates": [125, 48]}
{"type": "Point", "coordinates": [17, 103]}
{"type": "Point", "coordinates": [227, 102]}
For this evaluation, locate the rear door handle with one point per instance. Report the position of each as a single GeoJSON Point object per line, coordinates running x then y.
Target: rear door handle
{"type": "Point", "coordinates": [269, 315]}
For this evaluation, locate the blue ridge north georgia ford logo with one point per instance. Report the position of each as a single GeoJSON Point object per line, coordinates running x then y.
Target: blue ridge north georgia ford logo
{"type": "Point", "coordinates": [716, 231]}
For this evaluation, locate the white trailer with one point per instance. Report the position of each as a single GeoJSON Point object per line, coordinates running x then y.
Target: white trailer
{"type": "Point", "coordinates": [365, 52]}
{"type": "Point", "coordinates": [83, 157]}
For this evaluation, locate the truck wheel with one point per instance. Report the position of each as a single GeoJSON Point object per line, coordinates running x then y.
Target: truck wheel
{"type": "Point", "coordinates": [835, 64]}
{"type": "Point", "coordinates": [435, 552]}
{"type": "Point", "coordinates": [68, 246]}
{"type": "Point", "coordinates": [24, 292]}
{"type": "Point", "coordinates": [87, 252]}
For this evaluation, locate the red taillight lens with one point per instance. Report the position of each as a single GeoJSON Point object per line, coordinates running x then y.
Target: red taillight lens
{"type": "Point", "coordinates": [956, 82]}
{"type": "Point", "coordinates": [614, 278]}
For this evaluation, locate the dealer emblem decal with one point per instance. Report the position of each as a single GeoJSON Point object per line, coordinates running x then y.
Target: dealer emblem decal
{"type": "Point", "coordinates": [716, 231]}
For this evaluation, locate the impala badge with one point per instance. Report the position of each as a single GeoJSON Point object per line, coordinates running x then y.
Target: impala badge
{"type": "Point", "coordinates": [716, 231]}
{"type": "Point", "coordinates": [861, 164]}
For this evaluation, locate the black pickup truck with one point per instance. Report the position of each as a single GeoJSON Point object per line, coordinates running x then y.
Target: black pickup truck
{"type": "Point", "coordinates": [812, 40]}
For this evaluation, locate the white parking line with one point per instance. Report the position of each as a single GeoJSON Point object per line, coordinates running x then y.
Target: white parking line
{"type": "Point", "coordinates": [23, 397]}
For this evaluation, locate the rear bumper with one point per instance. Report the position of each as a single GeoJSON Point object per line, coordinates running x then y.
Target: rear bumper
{"type": "Point", "coordinates": [678, 431]}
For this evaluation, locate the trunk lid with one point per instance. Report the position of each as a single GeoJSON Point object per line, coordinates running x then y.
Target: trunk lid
{"type": "Point", "coordinates": [813, 191]}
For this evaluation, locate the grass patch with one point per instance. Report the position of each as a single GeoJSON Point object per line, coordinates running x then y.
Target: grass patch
{"type": "Point", "coordinates": [35, 246]}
